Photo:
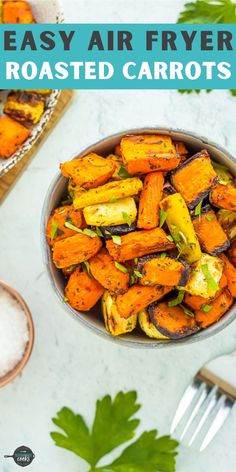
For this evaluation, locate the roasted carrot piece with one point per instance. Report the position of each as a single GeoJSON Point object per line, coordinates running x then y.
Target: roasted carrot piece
{"type": "Point", "coordinates": [181, 150]}
{"type": "Point", "coordinates": [216, 310]}
{"type": "Point", "coordinates": [89, 171]}
{"type": "Point", "coordinates": [12, 136]}
{"type": "Point", "coordinates": [139, 243]}
{"type": "Point", "coordinates": [17, 12]}
{"type": "Point", "coordinates": [75, 249]}
{"type": "Point", "coordinates": [224, 196]}
{"type": "Point", "coordinates": [137, 298]}
{"type": "Point", "coordinates": [25, 107]}
{"type": "Point", "coordinates": [151, 195]}
{"type": "Point", "coordinates": [149, 153]}
{"type": "Point", "coordinates": [194, 178]}
{"type": "Point", "coordinates": [82, 291]}
{"type": "Point", "coordinates": [117, 150]}
{"type": "Point", "coordinates": [56, 229]}
{"type": "Point", "coordinates": [173, 322]}
{"type": "Point", "coordinates": [103, 269]}
{"type": "Point", "coordinates": [232, 252]}
{"type": "Point", "coordinates": [165, 271]}
{"type": "Point", "coordinates": [195, 302]}
{"type": "Point", "coordinates": [230, 273]}
{"type": "Point", "coordinates": [210, 233]}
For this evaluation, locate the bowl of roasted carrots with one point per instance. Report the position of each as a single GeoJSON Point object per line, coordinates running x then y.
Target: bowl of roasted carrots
{"type": "Point", "coordinates": [139, 237]}
{"type": "Point", "coordinates": [24, 113]}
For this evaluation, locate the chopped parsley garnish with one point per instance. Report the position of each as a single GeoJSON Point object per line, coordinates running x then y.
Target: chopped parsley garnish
{"type": "Point", "coordinates": [121, 267]}
{"type": "Point", "coordinates": [136, 260]}
{"type": "Point", "coordinates": [163, 255]}
{"type": "Point", "coordinates": [90, 233]}
{"type": "Point", "coordinates": [198, 209]}
{"type": "Point", "coordinates": [86, 263]}
{"type": "Point", "coordinates": [178, 300]}
{"type": "Point", "coordinates": [162, 216]}
{"type": "Point", "coordinates": [206, 308]}
{"type": "Point", "coordinates": [209, 217]}
{"type": "Point", "coordinates": [99, 233]}
{"type": "Point", "coordinates": [123, 173]}
{"type": "Point", "coordinates": [73, 227]}
{"type": "Point", "coordinates": [187, 311]}
{"type": "Point", "coordinates": [211, 283]}
{"type": "Point", "coordinates": [113, 200]}
{"type": "Point", "coordinates": [54, 229]}
{"type": "Point", "coordinates": [127, 218]}
{"type": "Point", "coordinates": [116, 239]}
{"type": "Point", "coordinates": [65, 300]}
{"type": "Point", "coordinates": [138, 274]}
{"type": "Point", "coordinates": [169, 237]}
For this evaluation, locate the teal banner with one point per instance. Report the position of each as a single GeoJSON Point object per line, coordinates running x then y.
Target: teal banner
{"type": "Point", "coordinates": [118, 56]}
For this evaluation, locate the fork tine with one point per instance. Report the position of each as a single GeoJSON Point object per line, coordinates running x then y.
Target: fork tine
{"type": "Point", "coordinates": [218, 421]}
{"type": "Point", "coordinates": [212, 401]}
{"type": "Point", "coordinates": [184, 403]}
{"type": "Point", "coordinates": [204, 392]}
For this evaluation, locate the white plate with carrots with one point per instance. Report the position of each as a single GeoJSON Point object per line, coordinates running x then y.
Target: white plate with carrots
{"type": "Point", "coordinates": [139, 237]}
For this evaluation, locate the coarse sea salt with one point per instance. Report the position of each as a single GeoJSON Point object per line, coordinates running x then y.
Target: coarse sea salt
{"type": "Point", "coordinates": [14, 333]}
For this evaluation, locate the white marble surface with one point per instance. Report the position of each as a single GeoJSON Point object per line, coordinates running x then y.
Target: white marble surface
{"type": "Point", "coordinates": [71, 366]}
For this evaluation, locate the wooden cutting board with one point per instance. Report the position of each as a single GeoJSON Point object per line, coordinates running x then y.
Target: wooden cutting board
{"type": "Point", "coordinates": [8, 180]}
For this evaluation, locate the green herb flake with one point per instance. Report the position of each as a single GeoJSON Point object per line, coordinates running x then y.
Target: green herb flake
{"type": "Point", "coordinates": [178, 300]}
{"type": "Point", "coordinates": [136, 260]}
{"type": "Point", "coordinates": [90, 233]}
{"type": "Point", "coordinates": [107, 232]}
{"type": "Point", "coordinates": [169, 237]}
{"type": "Point", "coordinates": [198, 209]}
{"type": "Point", "coordinates": [138, 274]}
{"type": "Point", "coordinates": [163, 255]}
{"type": "Point", "coordinates": [73, 227]}
{"type": "Point", "coordinates": [121, 267]}
{"type": "Point", "coordinates": [146, 453]}
{"type": "Point", "coordinates": [187, 311]}
{"type": "Point", "coordinates": [206, 308]}
{"type": "Point", "coordinates": [87, 265]}
{"type": "Point", "coordinates": [65, 300]}
{"type": "Point", "coordinates": [210, 217]}
{"type": "Point", "coordinates": [54, 229]}
{"type": "Point", "coordinates": [162, 217]}
{"type": "Point", "coordinates": [113, 200]}
{"type": "Point", "coordinates": [69, 201]}
{"type": "Point", "coordinates": [99, 233]}
{"type": "Point", "coordinates": [123, 173]}
{"type": "Point", "coordinates": [116, 239]}
{"type": "Point", "coordinates": [127, 218]}
{"type": "Point", "coordinates": [211, 283]}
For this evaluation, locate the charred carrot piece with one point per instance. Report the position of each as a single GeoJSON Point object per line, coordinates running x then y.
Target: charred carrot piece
{"type": "Point", "coordinates": [82, 291]}
{"type": "Point", "coordinates": [215, 310]}
{"type": "Point", "coordinates": [104, 270]}
{"type": "Point", "coordinates": [56, 229]}
{"type": "Point", "coordinates": [210, 233]}
{"type": "Point", "coordinates": [137, 298]}
{"type": "Point", "coordinates": [75, 249]}
{"type": "Point", "coordinates": [230, 273]}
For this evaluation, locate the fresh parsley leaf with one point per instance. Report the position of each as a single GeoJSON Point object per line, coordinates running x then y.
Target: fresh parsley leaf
{"type": "Point", "coordinates": [178, 300]}
{"type": "Point", "coordinates": [54, 229]}
{"type": "Point", "coordinates": [146, 454]}
{"type": "Point", "coordinates": [99, 233]}
{"type": "Point", "coordinates": [116, 239]}
{"type": "Point", "coordinates": [65, 300]}
{"type": "Point", "coordinates": [123, 173]}
{"type": "Point", "coordinates": [69, 201]}
{"type": "Point", "coordinates": [211, 283]}
{"type": "Point", "coordinates": [169, 237]}
{"type": "Point", "coordinates": [114, 424]}
{"type": "Point", "coordinates": [208, 11]}
{"type": "Point", "coordinates": [113, 200]}
{"type": "Point", "coordinates": [73, 227]}
{"type": "Point", "coordinates": [163, 255]}
{"type": "Point", "coordinates": [138, 274]}
{"type": "Point", "coordinates": [121, 267]}
{"type": "Point", "coordinates": [205, 12]}
{"type": "Point", "coordinates": [206, 308]}
{"type": "Point", "coordinates": [162, 216]}
{"type": "Point", "coordinates": [136, 260]}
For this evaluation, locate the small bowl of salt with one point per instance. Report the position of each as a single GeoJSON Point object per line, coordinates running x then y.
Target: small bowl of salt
{"type": "Point", "coordinates": [16, 334]}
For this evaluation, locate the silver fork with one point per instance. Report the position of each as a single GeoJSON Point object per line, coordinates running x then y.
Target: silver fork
{"type": "Point", "coordinates": [207, 401]}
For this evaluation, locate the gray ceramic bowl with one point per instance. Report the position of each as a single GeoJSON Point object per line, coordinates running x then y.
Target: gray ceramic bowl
{"type": "Point", "coordinates": [57, 192]}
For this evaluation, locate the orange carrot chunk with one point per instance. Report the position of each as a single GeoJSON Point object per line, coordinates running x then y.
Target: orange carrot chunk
{"type": "Point", "coordinates": [12, 136]}
{"type": "Point", "coordinates": [89, 171]}
{"type": "Point", "coordinates": [82, 291]}
{"type": "Point", "coordinates": [148, 215]}
{"type": "Point", "coordinates": [138, 244]}
{"type": "Point", "coordinates": [230, 273]}
{"type": "Point", "coordinates": [75, 249]}
{"type": "Point", "coordinates": [224, 196]}
{"type": "Point", "coordinates": [104, 270]}
{"type": "Point", "coordinates": [211, 235]}
{"type": "Point", "coordinates": [172, 322]}
{"type": "Point", "coordinates": [211, 313]}
{"type": "Point", "coordinates": [137, 298]}
{"type": "Point", "coordinates": [56, 229]}
{"type": "Point", "coordinates": [17, 12]}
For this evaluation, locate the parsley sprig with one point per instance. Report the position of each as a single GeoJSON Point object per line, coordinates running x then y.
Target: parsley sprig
{"type": "Point", "coordinates": [206, 12]}
{"type": "Point", "coordinates": [114, 424]}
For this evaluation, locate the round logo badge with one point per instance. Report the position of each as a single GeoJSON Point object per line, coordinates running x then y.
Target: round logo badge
{"type": "Point", "coordinates": [22, 456]}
